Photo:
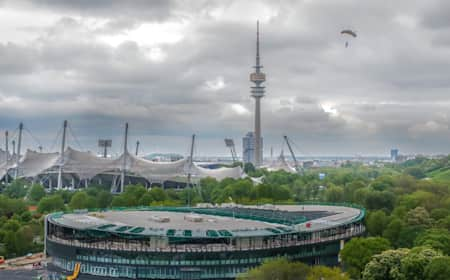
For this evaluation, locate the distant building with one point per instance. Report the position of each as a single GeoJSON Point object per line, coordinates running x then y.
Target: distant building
{"type": "Point", "coordinates": [248, 148]}
{"type": "Point", "coordinates": [322, 176]}
{"type": "Point", "coordinates": [394, 154]}
{"type": "Point", "coordinates": [308, 164]}
{"type": "Point", "coordinates": [163, 157]}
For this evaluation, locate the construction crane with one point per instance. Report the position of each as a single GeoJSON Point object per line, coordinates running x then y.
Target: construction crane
{"type": "Point", "coordinates": [76, 272]}
{"type": "Point", "coordinates": [230, 144]}
{"type": "Point", "coordinates": [296, 165]}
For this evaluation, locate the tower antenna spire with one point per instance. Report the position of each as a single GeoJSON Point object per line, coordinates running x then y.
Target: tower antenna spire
{"type": "Point", "coordinates": [257, 47]}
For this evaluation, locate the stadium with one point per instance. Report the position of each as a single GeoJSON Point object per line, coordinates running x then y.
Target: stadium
{"type": "Point", "coordinates": [202, 242]}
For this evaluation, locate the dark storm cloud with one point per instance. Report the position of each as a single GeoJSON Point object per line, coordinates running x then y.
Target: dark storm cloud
{"type": "Point", "coordinates": [185, 70]}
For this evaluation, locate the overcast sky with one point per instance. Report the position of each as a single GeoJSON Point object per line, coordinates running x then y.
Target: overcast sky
{"type": "Point", "coordinates": [173, 68]}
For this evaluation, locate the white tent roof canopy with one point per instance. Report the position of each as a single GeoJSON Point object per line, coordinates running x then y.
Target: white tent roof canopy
{"type": "Point", "coordinates": [281, 164]}
{"type": "Point", "coordinates": [85, 165]}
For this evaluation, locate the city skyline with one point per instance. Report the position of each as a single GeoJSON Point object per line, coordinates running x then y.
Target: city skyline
{"type": "Point", "coordinates": [172, 69]}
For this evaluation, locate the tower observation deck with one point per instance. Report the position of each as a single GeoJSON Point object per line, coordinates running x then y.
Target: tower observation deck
{"type": "Point", "coordinates": [257, 92]}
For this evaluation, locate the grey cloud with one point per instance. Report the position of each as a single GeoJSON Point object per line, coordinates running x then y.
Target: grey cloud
{"type": "Point", "coordinates": [437, 15]}
{"type": "Point", "coordinates": [389, 88]}
{"type": "Point", "coordinates": [16, 59]}
{"type": "Point", "coordinates": [142, 9]}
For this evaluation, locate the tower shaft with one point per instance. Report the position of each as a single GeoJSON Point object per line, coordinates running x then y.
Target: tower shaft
{"type": "Point", "coordinates": [257, 91]}
{"type": "Point", "coordinates": [258, 148]}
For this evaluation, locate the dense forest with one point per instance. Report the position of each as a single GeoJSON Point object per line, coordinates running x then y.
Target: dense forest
{"type": "Point", "coordinates": [408, 214]}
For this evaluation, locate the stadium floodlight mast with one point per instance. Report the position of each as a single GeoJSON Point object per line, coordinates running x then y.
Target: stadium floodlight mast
{"type": "Point", "coordinates": [229, 143]}
{"type": "Point", "coordinates": [13, 143]}
{"type": "Point", "coordinates": [137, 147]}
{"type": "Point", "coordinates": [105, 144]}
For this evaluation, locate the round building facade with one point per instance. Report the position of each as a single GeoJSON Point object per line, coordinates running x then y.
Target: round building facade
{"type": "Point", "coordinates": [197, 242]}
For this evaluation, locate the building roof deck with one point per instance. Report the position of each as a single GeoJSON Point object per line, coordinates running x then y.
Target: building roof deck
{"type": "Point", "coordinates": [216, 222]}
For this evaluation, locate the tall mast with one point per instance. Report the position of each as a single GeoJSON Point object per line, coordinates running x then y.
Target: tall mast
{"type": "Point", "coordinates": [296, 165]}
{"type": "Point", "coordinates": [191, 163]}
{"type": "Point", "coordinates": [6, 146]}
{"type": "Point", "coordinates": [257, 92]}
{"type": "Point", "coordinates": [137, 147]}
{"type": "Point", "coordinates": [7, 155]}
{"type": "Point", "coordinates": [124, 163]}
{"type": "Point", "coordinates": [19, 144]}
{"type": "Point", "coordinates": [61, 163]}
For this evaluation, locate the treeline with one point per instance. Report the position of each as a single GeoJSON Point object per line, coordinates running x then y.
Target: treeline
{"type": "Point", "coordinates": [21, 230]}
{"type": "Point", "coordinates": [404, 210]}
{"type": "Point", "coordinates": [285, 270]}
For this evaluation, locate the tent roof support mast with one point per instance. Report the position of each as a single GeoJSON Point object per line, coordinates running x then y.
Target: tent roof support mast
{"type": "Point", "coordinates": [19, 144]}
{"type": "Point", "coordinates": [124, 163]}
{"type": "Point", "coordinates": [7, 154]}
{"type": "Point", "coordinates": [63, 147]}
{"type": "Point", "coordinates": [191, 163]}
{"type": "Point", "coordinates": [297, 167]}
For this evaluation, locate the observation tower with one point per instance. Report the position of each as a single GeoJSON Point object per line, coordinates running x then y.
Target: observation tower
{"type": "Point", "coordinates": [257, 91]}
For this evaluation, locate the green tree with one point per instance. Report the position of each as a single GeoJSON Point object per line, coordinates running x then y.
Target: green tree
{"type": "Point", "coordinates": [377, 222]}
{"type": "Point", "coordinates": [281, 193]}
{"type": "Point", "coordinates": [445, 223]}
{"type": "Point", "coordinates": [36, 193]}
{"type": "Point", "coordinates": [158, 194]}
{"type": "Point", "coordinates": [379, 200]}
{"type": "Point", "coordinates": [351, 188]}
{"type": "Point", "coordinates": [393, 230]}
{"type": "Point", "coordinates": [11, 225]}
{"type": "Point", "coordinates": [51, 203]}
{"type": "Point", "coordinates": [385, 266]}
{"type": "Point", "coordinates": [25, 217]}
{"type": "Point", "coordinates": [418, 217]}
{"type": "Point", "coordinates": [320, 272]}
{"type": "Point", "coordinates": [420, 198]}
{"type": "Point", "coordinates": [146, 199]}
{"type": "Point", "coordinates": [104, 199]}
{"type": "Point", "coordinates": [415, 172]}
{"type": "Point", "coordinates": [118, 201]}
{"type": "Point", "coordinates": [10, 206]}
{"type": "Point", "coordinates": [358, 252]}
{"type": "Point", "coordinates": [239, 191]}
{"type": "Point", "coordinates": [207, 187]}
{"type": "Point", "coordinates": [277, 269]}
{"type": "Point", "coordinates": [408, 234]}
{"type": "Point", "coordinates": [382, 183]}
{"type": "Point", "coordinates": [439, 213]}
{"type": "Point", "coordinates": [413, 265]}
{"type": "Point", "coordinates": [82, 200]}
{"type": "Point", "coordinates": [132, 194]}
{"type": "Point", "coordinates": [334, 194]}
{"type": "Point", "coordinates": [17, 189]}
{"type": "Point", "coordinates": [436, 238]}
{"type": "Point", "coordinates": [249, 168]}
{"type": "Point", "coordinates": [438, 269]}
{"type": "Point", "coordinates": [24, 240]}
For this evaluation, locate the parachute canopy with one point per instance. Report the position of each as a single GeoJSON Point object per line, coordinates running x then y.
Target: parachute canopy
{"type": "Point", "coordinates": [349, 32]}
